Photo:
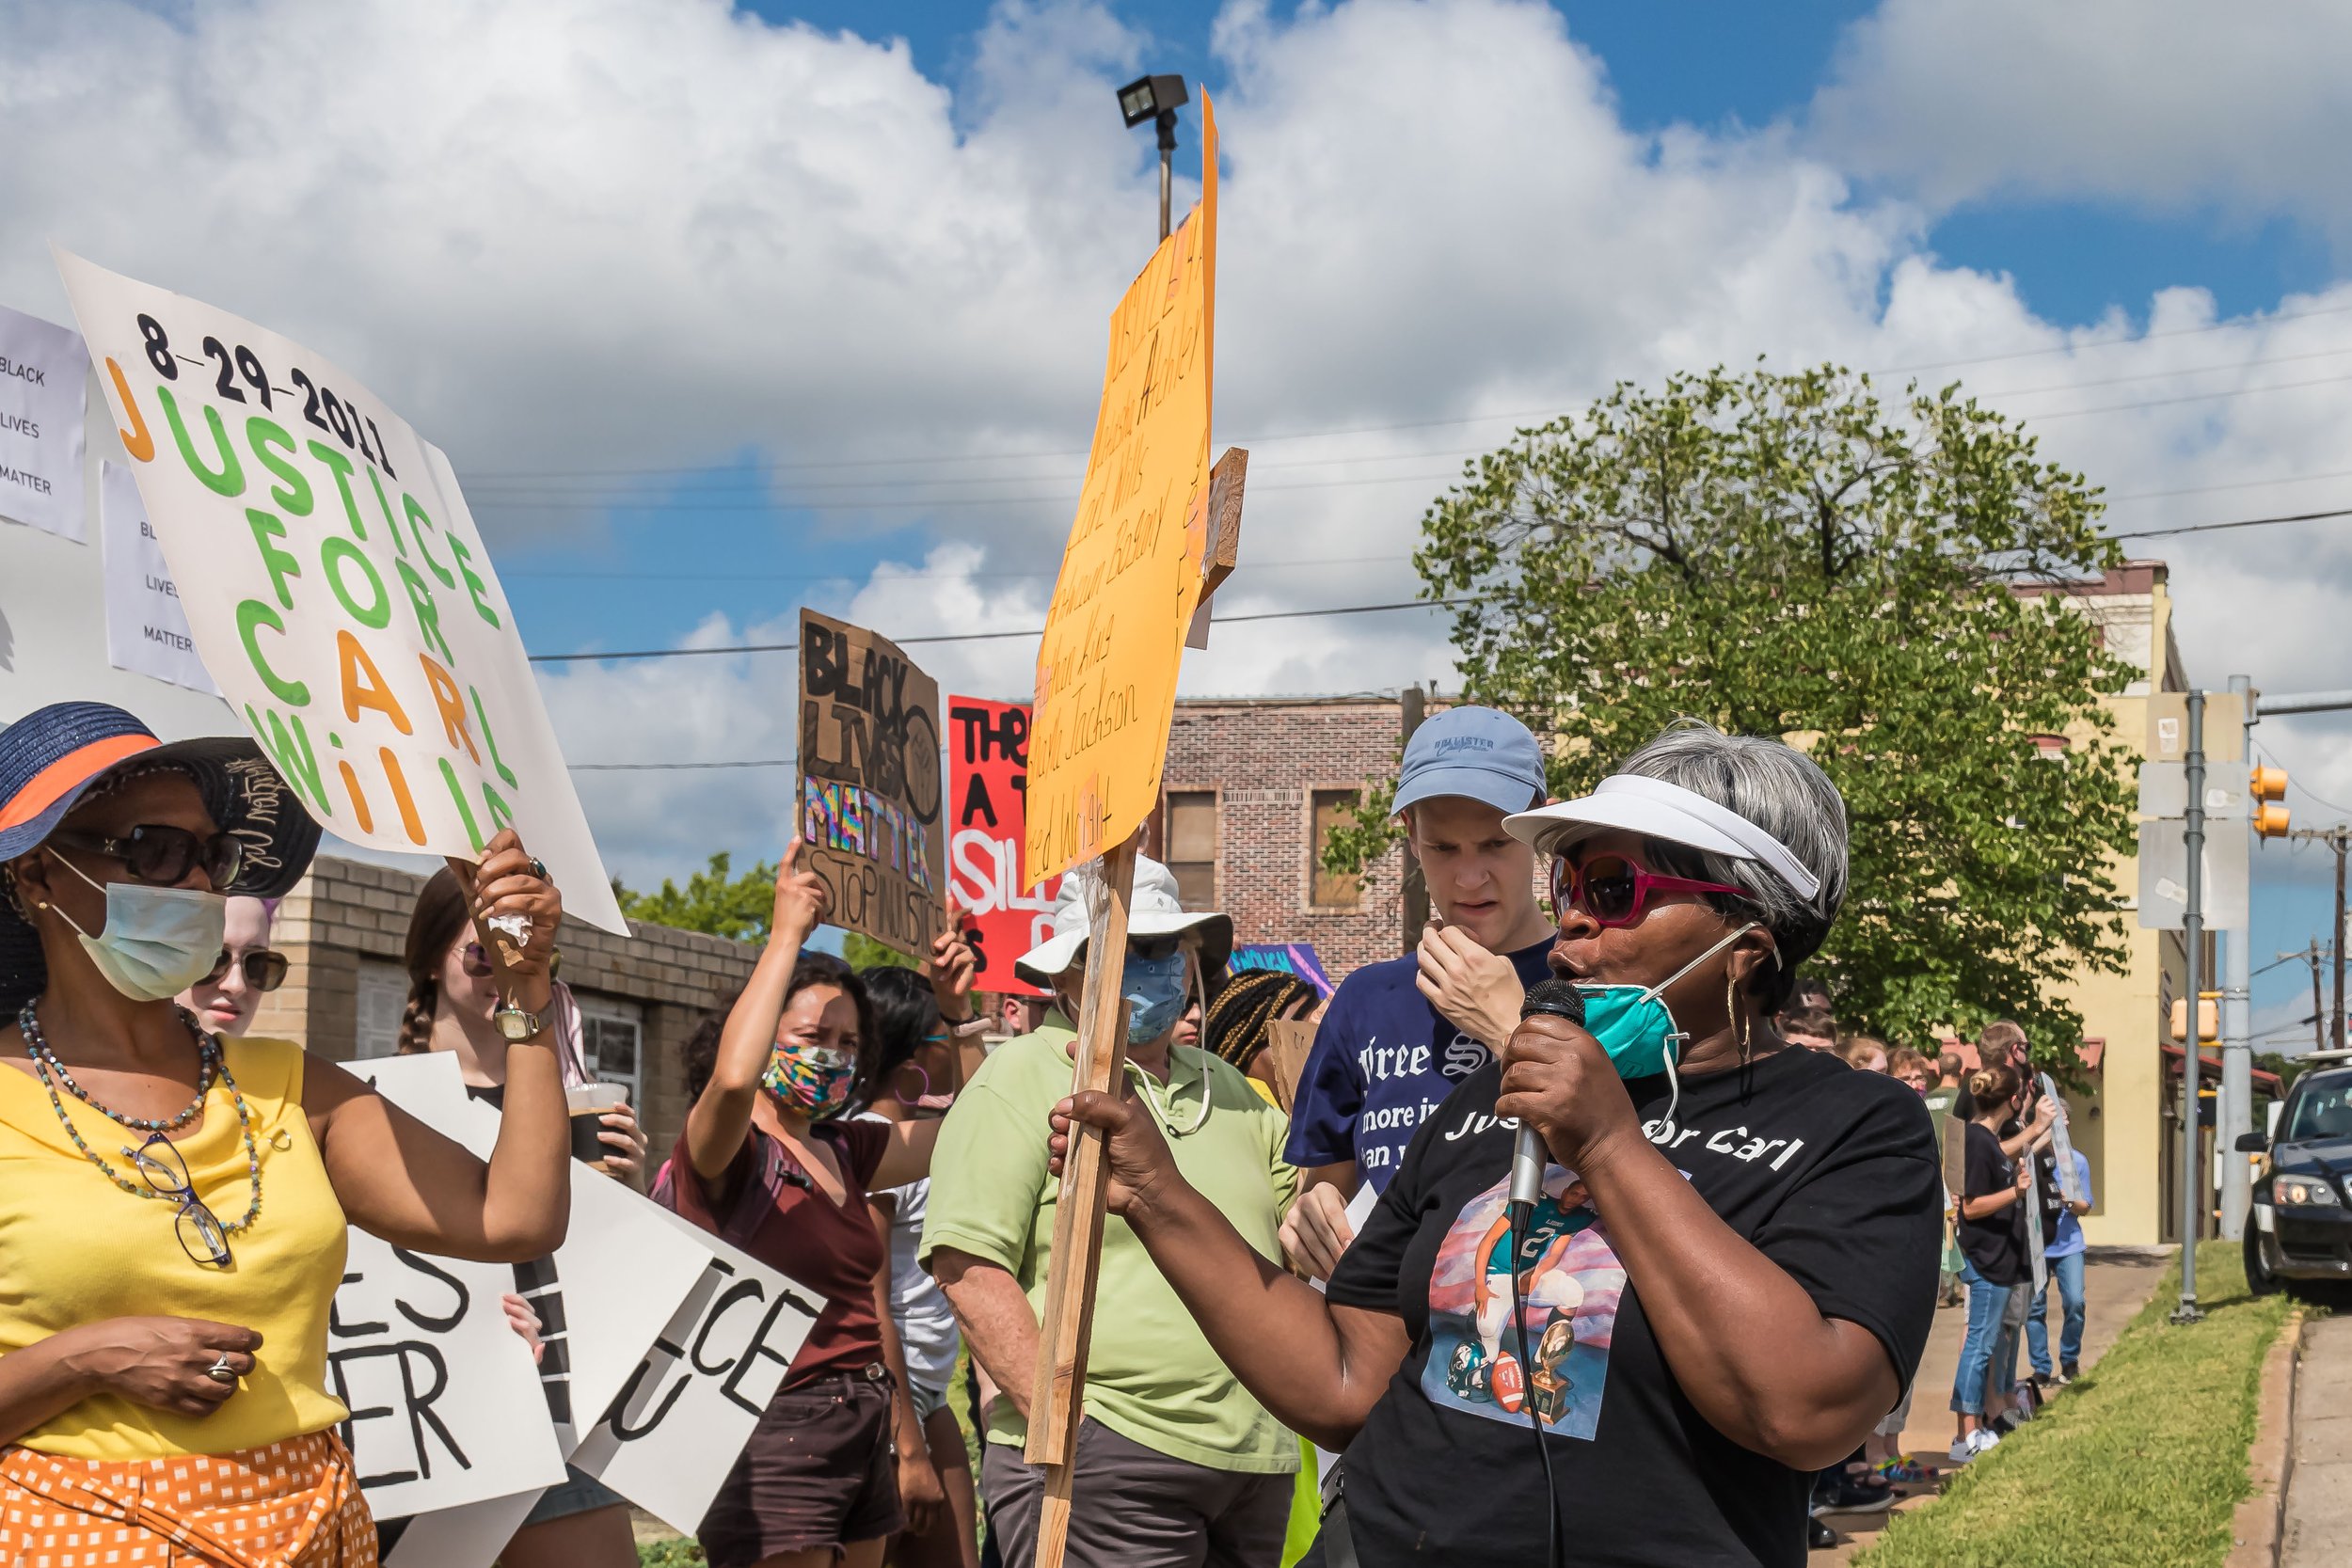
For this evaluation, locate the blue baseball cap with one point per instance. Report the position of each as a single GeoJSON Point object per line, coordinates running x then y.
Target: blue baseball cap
{"type": "Point", "coordinates": [1479, 753]}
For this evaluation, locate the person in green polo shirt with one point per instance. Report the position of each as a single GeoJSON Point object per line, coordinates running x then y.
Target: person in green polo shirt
{"type": "Point", "coordinates": [1177, 1464]}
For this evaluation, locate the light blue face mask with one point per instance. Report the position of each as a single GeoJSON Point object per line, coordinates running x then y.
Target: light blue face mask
{"type": "Point", "coordinates": [1637, 1028]}
{"type": "Point", "coordinates": [1154, 992]}
{"type": "Point", "coordinates": [157, 941]}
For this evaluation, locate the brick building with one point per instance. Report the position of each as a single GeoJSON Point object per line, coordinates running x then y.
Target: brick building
{"type": "Point", "coordinates": [1251, 789]}
{"type": "Point", "coordinates": [639, 997]}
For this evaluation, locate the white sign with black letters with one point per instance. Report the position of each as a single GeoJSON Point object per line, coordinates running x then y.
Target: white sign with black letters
{"type": "Point", "coordinates": [147, 629]}
{"type": "Point", "coordinates": [682, 1418]}
{"type": "Point", "coordinates": [43, 384]}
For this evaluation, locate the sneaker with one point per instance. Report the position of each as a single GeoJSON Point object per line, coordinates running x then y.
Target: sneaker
{"type": "Point", "coordinates": [1847, 1494]}
{"type": "Point", "coordinates": [1983, 1441]}
{"type": "Point", "coordinates": [1902, 1471]}
{"type": "Point", "coordinates": [1962, 1451]}
{"type": "Point", "coordinates": [2044, 1382]}
{"type": "Point", "coordinates": [2069, 1372]}
{"type": "Point", "coordinates": [1821, 1538]}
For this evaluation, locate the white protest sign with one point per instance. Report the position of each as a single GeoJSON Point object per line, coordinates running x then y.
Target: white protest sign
{"type": "Point", "coordinates": [2069, 1181]}
{"type": "Point", "coordinates": [682, 1418]}
{"type": "Point", "coordinates": [468, 1537]}
{"type": "Point", "coordinates": [147, 629]}
{"type": "Point", "coordinates": [444, 1398]}
{"type": "Point", "coordinates": [41, 397]}
{"type": "Point", "coordinates": [336, 585]}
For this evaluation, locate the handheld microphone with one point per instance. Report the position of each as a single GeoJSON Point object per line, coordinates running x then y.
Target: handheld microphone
{"type": "Point", "coordinates": [1562, 999]}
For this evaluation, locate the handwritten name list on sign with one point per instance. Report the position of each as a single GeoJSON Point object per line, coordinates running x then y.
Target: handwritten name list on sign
{"type": "Point", "coordinates": [870, 793]}
{"type": "Point", "coordinates": [1131, 572]}
{"type": "Point", "coordinates": [336, 585]}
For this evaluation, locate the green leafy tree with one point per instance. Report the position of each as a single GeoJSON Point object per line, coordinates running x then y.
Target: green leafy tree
{"type": "Point", "coordinates": [713, 901]}
{"type": "Point", "coordinates": [1777, 554]}
{"type": "Point", "coordinates": [861, 951]}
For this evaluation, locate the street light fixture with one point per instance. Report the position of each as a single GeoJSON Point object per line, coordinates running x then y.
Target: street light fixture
{"type": "Point", "coordinates": [1156, 99]}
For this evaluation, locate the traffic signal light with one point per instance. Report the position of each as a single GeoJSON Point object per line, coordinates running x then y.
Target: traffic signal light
{"type": "Point", "coordinates": [2208, 1018]}
{"type": "Point", "coordinates": [2266, 790]}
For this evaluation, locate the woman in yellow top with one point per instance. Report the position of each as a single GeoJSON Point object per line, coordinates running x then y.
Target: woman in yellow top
{"type": "Point", "coordinates": [172, 1203]}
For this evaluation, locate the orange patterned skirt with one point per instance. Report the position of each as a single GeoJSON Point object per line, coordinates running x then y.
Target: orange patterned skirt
{"type": "Point", "coordinates": [294, 1504]}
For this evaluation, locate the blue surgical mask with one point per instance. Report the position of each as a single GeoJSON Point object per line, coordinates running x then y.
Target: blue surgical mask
{"type": "Point", "coordinates": [1154, 992]}
{"type": "Point", "coordinates": [1637, 1028]}
{"type": "Point", "coordinates": [158, 941]}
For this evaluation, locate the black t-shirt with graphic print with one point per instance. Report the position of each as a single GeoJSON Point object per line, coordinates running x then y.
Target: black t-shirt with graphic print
{"type": "Point", "coordinates": [1830, 1173]}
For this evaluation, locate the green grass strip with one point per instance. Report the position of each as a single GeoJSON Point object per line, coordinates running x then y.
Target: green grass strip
{"type": "Point", "coordinates": [2139, 1464]}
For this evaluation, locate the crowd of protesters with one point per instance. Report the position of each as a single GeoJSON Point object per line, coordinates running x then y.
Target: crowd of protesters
{"type": "Point", "coordinates": [1743, 1230]}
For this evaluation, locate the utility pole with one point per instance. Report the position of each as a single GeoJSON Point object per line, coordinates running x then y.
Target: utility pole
{"type": "Point", "coordinates": [2338, 838]}
{"type": "Point", "coordinates": [2193, 937]}
{"type": "Point", "coordinates": [1414, 704]}
{"type": "Point", "coordinates": [2237, 1026]}
{"type": "Point", "coordinates": [2319, 1013]}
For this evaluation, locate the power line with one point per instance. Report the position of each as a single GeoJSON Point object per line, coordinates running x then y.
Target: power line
{"type": "Point", "coordinates": [908, 576]}
{"type": "Point", "coordinates": [990, 636]}
{"type": "Point", "coordinates": [2242, 522]}
{"type": "Point", "coordinates": [673, 767]}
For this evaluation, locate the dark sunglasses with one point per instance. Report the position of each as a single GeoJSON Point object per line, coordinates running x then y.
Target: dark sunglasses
{"type": "Point", "coordinates": [1154, 949]}
{"type": "Point", "coordinates": [475, 960]}
{"type": "Point", "coordinates": [264, 970]}
{"type": "Point", "coordinates": [202, 1237]}
{"type": "Point", "coordinates": [1615, 890]}
{"type": "Point", "coordinates": [164, 855]}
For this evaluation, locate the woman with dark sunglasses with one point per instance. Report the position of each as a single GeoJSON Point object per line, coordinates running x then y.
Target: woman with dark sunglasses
{"type": "Point", "coordinates": [1728, 1273]}
{"type": "Point", "coordinates": [248, 970]}
{"type": "Point", "coordinates": [173, 1221]}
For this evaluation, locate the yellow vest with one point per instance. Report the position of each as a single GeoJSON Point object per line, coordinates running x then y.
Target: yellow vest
{"type": "Point", "coordinates": [76, 1248]}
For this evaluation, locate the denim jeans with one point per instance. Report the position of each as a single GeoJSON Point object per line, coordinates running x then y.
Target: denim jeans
{"type": "Point", "coordinates": [2068, 1273]}
{"type": "Point", "coordinates": [1991, 1340]}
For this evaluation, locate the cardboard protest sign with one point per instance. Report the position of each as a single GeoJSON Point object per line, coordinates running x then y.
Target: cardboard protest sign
{"type": "Point", "coordinates": [988, 791]}
{"type": "Point", "coordinates": [680, 1422]}
{"type": "Point", "coordinates": [2069, 1181]}
{"type": "Point", "coordinates": [872, 812]}
{"type": "Point", "coordinates": [147, 628]}
{"type": "Point", "coordinates": [43, 391]}
{"type": "Point", "coordinates": [1131, 573]}
{"type": "Point", "coordinates": [336, 585]}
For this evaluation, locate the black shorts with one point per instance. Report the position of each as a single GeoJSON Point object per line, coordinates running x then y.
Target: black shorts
{"type": "Point", "coordinates": [819, 1471]}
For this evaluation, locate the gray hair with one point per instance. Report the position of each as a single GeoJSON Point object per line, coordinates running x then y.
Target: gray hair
{"type": "Point", "coordinates": [1782, 791]}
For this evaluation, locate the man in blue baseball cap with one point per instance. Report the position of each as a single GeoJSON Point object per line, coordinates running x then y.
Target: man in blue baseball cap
{"type": "Point", "coordinates": [1398, 1036]}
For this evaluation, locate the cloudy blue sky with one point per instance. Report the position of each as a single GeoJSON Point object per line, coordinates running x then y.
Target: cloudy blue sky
{"type": "Point", "coordinates": [722, 309]}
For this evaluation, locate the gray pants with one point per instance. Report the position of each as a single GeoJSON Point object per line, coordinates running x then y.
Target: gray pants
{"type": "Point", "coordinates": [1131, 1506]}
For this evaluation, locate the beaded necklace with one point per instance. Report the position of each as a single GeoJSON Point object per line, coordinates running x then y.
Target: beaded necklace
{"type": "Point", "coordinates": [207, 1063]}
{"type": "Point", "coordinates": [28, 1019]}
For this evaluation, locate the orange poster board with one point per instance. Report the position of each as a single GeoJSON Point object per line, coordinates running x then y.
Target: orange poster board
{"type": "Point", "coordinates": [1131, 572]}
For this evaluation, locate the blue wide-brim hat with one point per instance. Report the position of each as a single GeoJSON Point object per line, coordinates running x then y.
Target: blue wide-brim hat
{"type": "Point", "coordinates": [52, 756]}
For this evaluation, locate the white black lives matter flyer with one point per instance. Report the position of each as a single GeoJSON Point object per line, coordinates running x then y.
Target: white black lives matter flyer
{"type": "Point", "coordinates": [147, 628]}
{"type": "Point", "coordinates": [43, 377]}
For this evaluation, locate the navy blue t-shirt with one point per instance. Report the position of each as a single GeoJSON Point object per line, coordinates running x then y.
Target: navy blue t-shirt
{"type": "Point", "coordinates": [1384, 1059]}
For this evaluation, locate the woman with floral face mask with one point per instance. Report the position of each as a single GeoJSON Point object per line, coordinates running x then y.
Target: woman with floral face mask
{"type": "Point", "coordinates": [771, 1161]}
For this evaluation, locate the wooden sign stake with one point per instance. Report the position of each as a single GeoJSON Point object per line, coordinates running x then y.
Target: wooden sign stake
{"type": "Point", "coordinates": [1056, 1400]}
{"type": "Point", "coordinates": [1227, 481]}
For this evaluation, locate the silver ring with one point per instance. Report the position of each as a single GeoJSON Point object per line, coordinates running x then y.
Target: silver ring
{"type": "Point", "coordinates": [539, 868]}
{"type": "Point", "coordinates": [220, 1372]}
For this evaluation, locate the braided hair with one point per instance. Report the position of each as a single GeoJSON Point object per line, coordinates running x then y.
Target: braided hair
{"type": "Point", "coordinates": [1241, 1015]}
{"type": "Point", "coordinates": [441, 915]}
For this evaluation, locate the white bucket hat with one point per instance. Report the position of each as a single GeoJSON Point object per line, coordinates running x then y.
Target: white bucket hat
{"type": "Point", "coordinates": [1152, 910]}
{"type": "Point", "coordinates": [1665, 812]}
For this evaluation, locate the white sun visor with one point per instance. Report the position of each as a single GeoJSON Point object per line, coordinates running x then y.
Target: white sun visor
{"type": "Point", "coordinates": [1666, 812]}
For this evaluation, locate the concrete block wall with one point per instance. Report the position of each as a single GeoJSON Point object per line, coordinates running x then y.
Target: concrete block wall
{"type": "Point", "coordinates": [1264, 758]}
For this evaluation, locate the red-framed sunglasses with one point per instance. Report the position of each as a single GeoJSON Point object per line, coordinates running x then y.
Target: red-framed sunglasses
{"type": "Point", "coordinates": [1614, 889]}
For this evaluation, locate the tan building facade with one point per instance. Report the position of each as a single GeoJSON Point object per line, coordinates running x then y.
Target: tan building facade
{"type": "Point", "coordinates": [639, 997]}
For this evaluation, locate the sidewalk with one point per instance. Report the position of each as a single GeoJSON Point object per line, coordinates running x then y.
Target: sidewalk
{"type": "Point", "coordinates": [2319, 1489]}
{"type": "Point", "coordinates": [2115, 1287]}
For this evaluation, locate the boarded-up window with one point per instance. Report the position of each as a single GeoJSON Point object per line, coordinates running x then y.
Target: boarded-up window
{"type": "Point", "coordinates": [1333, 809]}
{"type": "Point", "coordinates": [1190, 834]}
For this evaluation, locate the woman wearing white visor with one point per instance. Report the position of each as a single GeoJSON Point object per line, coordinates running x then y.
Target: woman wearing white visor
{"type": "Point", "coordinates": [1731, 1272]}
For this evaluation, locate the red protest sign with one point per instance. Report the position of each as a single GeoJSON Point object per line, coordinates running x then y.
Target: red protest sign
{"type": "Point", "coordinates": [988, 790]}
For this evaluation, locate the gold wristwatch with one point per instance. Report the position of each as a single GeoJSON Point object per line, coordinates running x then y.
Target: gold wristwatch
{"type": "Point", "coordinates": [519, 1027]}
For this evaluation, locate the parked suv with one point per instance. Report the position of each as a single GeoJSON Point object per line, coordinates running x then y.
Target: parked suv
{"type": "Point", "coordinates": [2301, 1225]}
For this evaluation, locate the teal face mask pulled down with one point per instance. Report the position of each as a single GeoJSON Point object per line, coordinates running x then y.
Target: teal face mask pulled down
{"type": "Point", "coordinates": [1634, 1024]}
